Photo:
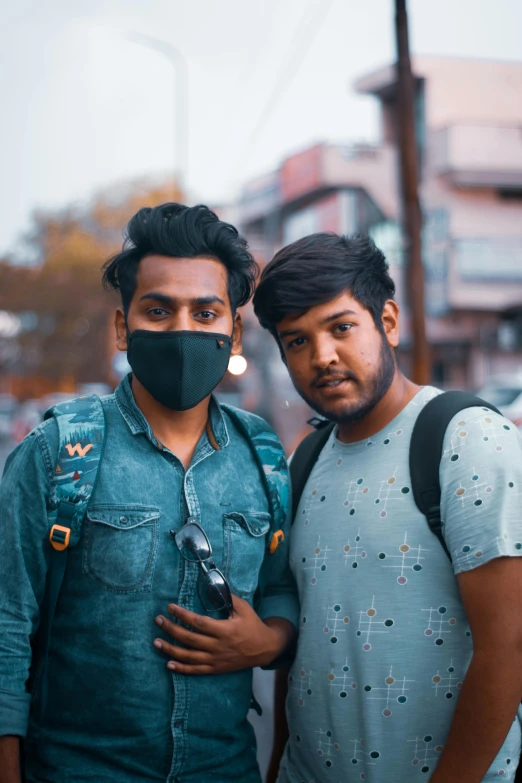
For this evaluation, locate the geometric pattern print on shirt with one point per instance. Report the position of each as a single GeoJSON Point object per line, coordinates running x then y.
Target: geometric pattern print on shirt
{"type": "Point", "coordinates": [391, 691]}
{"type": "Point", "coordinates": [384, 642]}
{"type": "Point", "coordinates": [391, 489]}
{"type": "Point", "coordinates": [494, 430]}
{"type": "Point", "coordinates": [330, 743]}
{"type": "Point", "coordinates": [473, 492]}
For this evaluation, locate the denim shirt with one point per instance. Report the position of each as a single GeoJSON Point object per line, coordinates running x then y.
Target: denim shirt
{"type": "Point", "coordinates": [115, 713]}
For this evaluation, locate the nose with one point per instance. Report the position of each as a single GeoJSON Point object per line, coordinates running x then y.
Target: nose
{"type": "Point", "coordinates": [180, 320]}
{"type": "Point", "coordinates": [324, 353]}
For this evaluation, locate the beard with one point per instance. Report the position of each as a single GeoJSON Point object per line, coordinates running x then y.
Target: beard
{"type": "Point", "coordinates": [372, 390]}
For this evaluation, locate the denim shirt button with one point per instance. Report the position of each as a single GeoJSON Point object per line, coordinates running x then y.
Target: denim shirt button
{"type": "Point", "coordinates": [178, 724]}
{"type": "Point", "coordinates": [185, 600]}
{"type": "Point", "coordinates": [124, 520]}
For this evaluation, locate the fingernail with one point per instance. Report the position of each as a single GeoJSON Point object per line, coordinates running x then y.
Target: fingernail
{"type": "Point", "coordinates": [158, 644]}
{"type": "Point", "coordinates": [172, 608]}
{"type": "Point", "coordinates": [159, 620]}
{"type": "Point", "coordinates": [171, 665]}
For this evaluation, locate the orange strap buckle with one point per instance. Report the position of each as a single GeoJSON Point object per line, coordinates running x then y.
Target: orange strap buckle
{"type": "Point", "coordinates": [276, 538]}
{"type": "Point", "coordinates": [60, 537]}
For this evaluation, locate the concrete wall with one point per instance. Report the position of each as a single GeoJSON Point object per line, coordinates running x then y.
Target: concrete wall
{"type": "Point", "coordinates": [470, 91]}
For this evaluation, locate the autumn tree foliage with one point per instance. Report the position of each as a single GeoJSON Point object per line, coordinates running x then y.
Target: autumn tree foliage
{"type": "Point", "coordinates": [65, 335]}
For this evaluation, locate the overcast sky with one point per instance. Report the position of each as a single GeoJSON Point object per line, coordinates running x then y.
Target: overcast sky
{"type": "Point", "coordinates": [83, 107]}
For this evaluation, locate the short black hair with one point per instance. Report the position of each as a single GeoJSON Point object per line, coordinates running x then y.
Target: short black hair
{"type": "Point", "coordinates": [181, 232]}
{"type": "Point", "coordinates": [317, 268]}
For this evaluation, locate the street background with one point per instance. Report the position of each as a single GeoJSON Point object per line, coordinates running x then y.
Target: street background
{"type": "Point", "coordinates": [285, 117]}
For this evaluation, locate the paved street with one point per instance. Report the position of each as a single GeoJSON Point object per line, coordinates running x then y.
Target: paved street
{"type": "Point", "coordinates": [263, 726]}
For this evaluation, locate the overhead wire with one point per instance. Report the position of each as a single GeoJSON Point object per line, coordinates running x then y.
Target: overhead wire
{"type": "Point", "coordinates": [302, 40]}
{"type": "Point", "coordinates": [304, 35]}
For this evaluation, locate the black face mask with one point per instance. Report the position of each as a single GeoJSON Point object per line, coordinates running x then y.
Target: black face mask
{"type": "Point", "coordinates": [179, 369]}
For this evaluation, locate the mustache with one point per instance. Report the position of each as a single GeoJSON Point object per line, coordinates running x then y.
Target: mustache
{"type": "Point", "coordinates": [332, 376]}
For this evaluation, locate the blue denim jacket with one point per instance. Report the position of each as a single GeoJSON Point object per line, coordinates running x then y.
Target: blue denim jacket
{"type": "Point", "coordinates": [115, 713]}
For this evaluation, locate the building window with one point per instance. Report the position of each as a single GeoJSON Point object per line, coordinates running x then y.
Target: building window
{"type": "Point", "coordinates": [495, 258]}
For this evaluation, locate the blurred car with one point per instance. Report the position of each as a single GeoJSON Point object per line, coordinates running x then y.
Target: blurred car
{"type": "Point", "coordinates": [100, 389]}
{"type": "Point", "coordinates": [8, 408]}
{"type": "Point", "coordinates": [506, 395]}
{"type": "Point", "coordinates": [28, 416]}
{"type": "Point", "coordinates": [55, 398]}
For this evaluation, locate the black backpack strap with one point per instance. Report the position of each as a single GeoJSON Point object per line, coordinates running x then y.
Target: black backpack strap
{"type": "Point", "coordinates": [427, 442]}
{"type": "Point", "coordinates": [304, 458]}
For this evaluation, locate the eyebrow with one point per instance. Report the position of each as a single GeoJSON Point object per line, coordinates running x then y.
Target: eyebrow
{"type": "Point", "coordinates": [169, 300]}
{"type": "Point", "coordinates": [335, 316]}
{"type": "Point", "coordinates": [327, 320]}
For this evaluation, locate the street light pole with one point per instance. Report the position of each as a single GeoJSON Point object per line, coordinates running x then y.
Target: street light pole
{"type": "Point", "coordinates": [179, 63]}
{"type": "Point", "coordinates": [412, 216]}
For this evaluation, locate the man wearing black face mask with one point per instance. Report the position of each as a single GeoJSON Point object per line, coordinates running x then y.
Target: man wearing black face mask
{"type": "Point", "coordinates": [179, 520]}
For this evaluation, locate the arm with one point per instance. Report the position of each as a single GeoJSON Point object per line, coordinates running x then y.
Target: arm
{"type": "Point", "coordinates": [280, 724]}
{"type": "Point", "coordinates": [248, 637]}
{"type": "Point", "coordinates": [23, 566]}
{"type": "Point", "coordinates": [492, 688]}
{"type": "Point", "coordinates": [218, 646]}
{"type": "Point", "coordinates": [10, 760]}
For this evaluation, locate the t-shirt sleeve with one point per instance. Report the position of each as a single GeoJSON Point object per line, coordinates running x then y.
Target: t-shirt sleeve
{"type": "Point", "coordinates": [481, 483]}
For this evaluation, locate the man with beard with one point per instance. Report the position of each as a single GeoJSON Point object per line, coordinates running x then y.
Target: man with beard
{"type": "Point", "coordinates": [408, 664]}
{"type": "Point", "coordinates": [178, 533]}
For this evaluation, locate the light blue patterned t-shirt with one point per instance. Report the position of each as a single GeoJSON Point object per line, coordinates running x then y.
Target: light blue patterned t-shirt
{"type": "Point", "coordinates": [384, 643]}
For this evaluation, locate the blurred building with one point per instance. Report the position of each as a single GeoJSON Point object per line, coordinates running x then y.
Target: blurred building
{"type": "Point", "coordinates": [469, 133]}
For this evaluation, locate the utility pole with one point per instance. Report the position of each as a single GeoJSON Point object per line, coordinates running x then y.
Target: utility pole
{"type": "Point", "coordinates": [411, 212]}
{"type": "Point", "coordinates": [179, 64]}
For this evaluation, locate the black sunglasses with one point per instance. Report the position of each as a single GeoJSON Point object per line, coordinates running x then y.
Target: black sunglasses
{"type": "Point", "coordinates": [194, 546]}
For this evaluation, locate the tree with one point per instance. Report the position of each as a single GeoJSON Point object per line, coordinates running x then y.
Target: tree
{"type": "Point", "coordinates": [66, 318]}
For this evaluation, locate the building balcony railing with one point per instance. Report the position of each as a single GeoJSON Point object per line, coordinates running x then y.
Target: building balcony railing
{"type": "Point", "coordinates": [478, 156]}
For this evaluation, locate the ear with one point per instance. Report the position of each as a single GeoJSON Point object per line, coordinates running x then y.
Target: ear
{"type": "Point", "coordinates": [390, 322]}
{"type": "Point", "coordinates": [237, 335]}
{"type": "Point", "coordinates": [120, 325]}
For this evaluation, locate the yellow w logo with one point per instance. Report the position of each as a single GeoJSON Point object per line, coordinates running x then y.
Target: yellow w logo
{"type": "Point", "coordinates": [78, 449]}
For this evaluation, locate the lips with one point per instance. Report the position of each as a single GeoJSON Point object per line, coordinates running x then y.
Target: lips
{"type": "Point", "coordinates": [330, 382]}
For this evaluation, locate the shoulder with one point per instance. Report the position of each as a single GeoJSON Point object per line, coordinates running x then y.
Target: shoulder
{"type": "Point", "coordinates": [252, 425]}
{"type": "Point", "coordinates": [481, 477]}
{"type": "Point", "coordinates": [270, 455]}
{"type": "Point", "coordinates": [81, 411]}
{"type": "Point", "coordinates": [33, 458]}
{"type": "Point", "coordinates": [479, 432]}
{"type": "Point", "coordinates": [482, 452]}
{"type": "Point", "coordinates": [44, 438]}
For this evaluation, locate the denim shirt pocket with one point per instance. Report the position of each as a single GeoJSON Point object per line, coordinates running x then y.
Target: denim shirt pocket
{"type": "Point", "coordinates": [245, 540]}
{"type": "Point", "coordinates": [120, 546]}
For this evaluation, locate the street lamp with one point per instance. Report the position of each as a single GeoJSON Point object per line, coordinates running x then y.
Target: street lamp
{"type": "Point", "coordinates": [237, 365]}
{"type": "Point", "coordinates": [179, 63]}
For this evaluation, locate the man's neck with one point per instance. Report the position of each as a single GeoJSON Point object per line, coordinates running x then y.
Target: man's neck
{"type": "Point", "coordinates": [389, 406]}
{"type": "Point", "coordinates": [179, 431]}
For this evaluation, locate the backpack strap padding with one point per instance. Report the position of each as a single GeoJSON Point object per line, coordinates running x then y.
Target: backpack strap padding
{"type": "Point", "coordinates": [270, 458]}
{"type": "Point", "coordinates": [426, 445]}
{"type": "Point", "coordinates": [304, 458]}
{"type": "Point", "coordinates": [81, 441]}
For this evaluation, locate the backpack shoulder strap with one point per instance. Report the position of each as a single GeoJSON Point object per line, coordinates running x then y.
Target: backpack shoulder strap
{"type": "Point", "coordinates": [81, 440]}
{"type": "Point", "coordinates": [304, 458]}
{"type": "Point", "coordinates": [427, 441]}
{"type": "Point", "coordinates": [270, 458]}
